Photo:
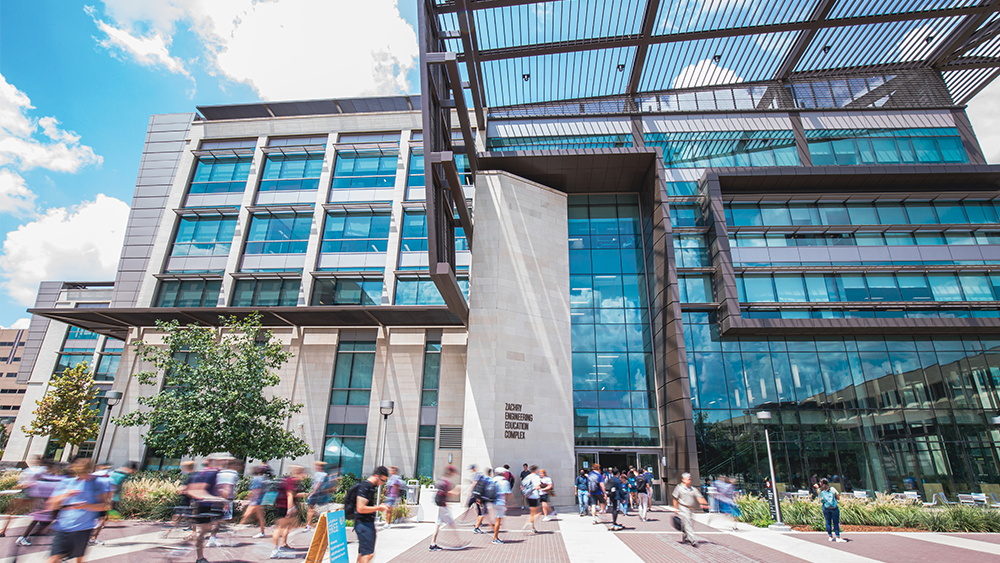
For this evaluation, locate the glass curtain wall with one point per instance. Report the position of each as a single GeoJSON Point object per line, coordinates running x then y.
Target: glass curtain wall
{"type": "Point", "coordinates": [352, 385]}
{"type": "Point", "coordinates": [613, 388]}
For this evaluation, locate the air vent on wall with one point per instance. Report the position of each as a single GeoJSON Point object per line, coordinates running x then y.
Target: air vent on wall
{"type": "Point", "coordinates": [450, 438]}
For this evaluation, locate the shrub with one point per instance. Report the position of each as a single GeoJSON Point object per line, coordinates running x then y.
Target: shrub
{"type": "Point", "coordinates": [148, 497]}
{"type": "Point", "coordinates": [753, 509]}
{"type": "Point", "coordinates": [802, 513]}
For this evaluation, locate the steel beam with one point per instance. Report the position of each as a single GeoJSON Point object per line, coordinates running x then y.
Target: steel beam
{"type": "Point", "coordinates": [466, 25]}
{"type": "Point", "coordinates": [446, 160]}
{"type": "Point", "coordinates": [805, 37]}
{"type": "Point", "coordinates": [639, 62]}
{"type": "Point", "coordinates": [636, 40]}
{"type": "Point", "coordinates": [443, 275]}
{"type": "Point", "coordinates": [957, 38]}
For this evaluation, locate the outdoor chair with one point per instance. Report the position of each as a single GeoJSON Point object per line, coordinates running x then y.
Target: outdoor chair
{"type": "Point", "coordinates": [967, 500]}
{"type": "Point", "coordinates": [912, 495]}
{"type": "Point", "coordinates": [861, 495]}
{"type": "Point", "coordinates": [938, 499]}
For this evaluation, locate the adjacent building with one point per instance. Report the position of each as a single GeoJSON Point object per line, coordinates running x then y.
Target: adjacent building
{"type": "Point", "coordinates": [622, 265]}
{"type": "Point", "coordinates": [11, 392]}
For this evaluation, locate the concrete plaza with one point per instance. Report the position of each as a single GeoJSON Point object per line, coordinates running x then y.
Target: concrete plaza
{"type": "Point", "coordinates": [568, 539]}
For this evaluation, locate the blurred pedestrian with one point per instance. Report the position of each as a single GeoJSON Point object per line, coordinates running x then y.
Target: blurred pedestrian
{"type": "Point", "coordinates": [687, 498]}
{"type": "Point", "coordinates": [79, 500]}
{"type": "Point", "coordinates": [582, 492]}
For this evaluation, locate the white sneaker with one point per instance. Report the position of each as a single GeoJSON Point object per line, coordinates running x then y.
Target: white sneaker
{"type": "Point", "coordinates": [279, 554]}
{"type": "Point", "coordinates": [840, 540]}
{"type": "Point", "coordinates": [21, 541]}
{"type": "Point", "coordinates": [307, 529]}
{"type": "Point", "coordinates": [212, 542]}
{"type": "Point", "coordinates": [95, 542]}
{"type": "Point", "coordinates": [829, 538]}
{"type": "Point", "coordinates": [258, 535]}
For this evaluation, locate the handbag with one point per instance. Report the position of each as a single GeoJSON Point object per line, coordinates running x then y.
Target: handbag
{"type": "Point", "coordinates": [678, 525]}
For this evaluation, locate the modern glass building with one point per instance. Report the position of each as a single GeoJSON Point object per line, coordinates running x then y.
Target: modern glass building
{"type": "Point", "coordinates": [613, 239]}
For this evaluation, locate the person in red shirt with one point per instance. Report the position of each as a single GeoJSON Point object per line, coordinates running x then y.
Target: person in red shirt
{"type": "Point", "coordinates": [286, 511]}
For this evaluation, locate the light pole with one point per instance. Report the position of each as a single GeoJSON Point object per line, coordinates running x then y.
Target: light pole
{"type": "Point", "coordinates": [385, 408]}
{"type": "Point", "coordinates": [779, 525]}
{"type": "Point", "coordinates": [112, 398]}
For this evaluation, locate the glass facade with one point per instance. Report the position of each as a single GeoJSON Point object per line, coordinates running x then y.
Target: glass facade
{"type": "Point", "coordinates": [291, 173]}
{"type": "Point", "coordinates": [414, 237]}
{"type": "Point", "coordinates": [356, 232]}
{"type": "Point", "coordinates": [188, 293]}
{"type": "Point", "coordinates": [871, 286]}
{"type": "Point", "coordinates": [346, 291]}
{"type": "Point", "coordinates": [364, 169]}
{"type": "Point", "coordinates": [872, 412]}
{"type": "Point", "coordinates": [558, 142]}
{"type": "Point", "coordinates": [220, 175]}
{"type": "Point", "coordinates": [279, 234]}
{"type": "Point", "coordinates": [428, 398]}
{"type": "Point", "coordinates": [204, 236]}
{"type": "Point", "coordinates": [725, 148]}
{"type": "Point", "coordinates": [862, 213]}
{"type": "Point", "coordinates": [613, 390]}
{"type": "Point", "coordinates": [415, 290]}
{"type": "Point", "coordinates": [885, 146]}
{"type": "Point", "coordinates": [352, 385]}
{"type": "Point", "coordinates": [266, 293]}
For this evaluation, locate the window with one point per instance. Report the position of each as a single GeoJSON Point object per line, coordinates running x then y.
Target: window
{"type": "Point", "coordinates": [356, 232]}
{"type": "Point", "coordinates": [425, 451]}
{"type": "Point", "coordinates": [189, 293]}
{"type": "Point", "coordinates": [556, 142]}
{"type": "Point", "coordinates": [705, 149]}
{"type": "Point", "coordinates": [421, 291]}
{"type": "Point", "coordinates": [291, 173]}
{"type": "Point", "coordinates": [347, 291]}
{"type": "Point", "coordinates": [266, 293]}
{"type": "Point", "coordinates": [414, 235]}
{"type": "Point", "coordinates": [76, 333]}
{"type": "Point", "coordinates": [204, 236]}
{"type": "Point", "coordinates": [279, 234]}
{"type": "Point", "coordinates": [363, 168]}
{"type": "Point", "coordinates": [352, 376]}
{"type": "Point", "coordinates": [345, 447]}
{"type": "Point", "coordinates": [220, 175]}
{"type": "Point", "coordinates": [432, 373]}
{"type": "Point", "coordinates": [107, 366]}
{"type": "Point", "coordinates": [885, 146]}
{"type": "Point", "coordinates": [691, 251]}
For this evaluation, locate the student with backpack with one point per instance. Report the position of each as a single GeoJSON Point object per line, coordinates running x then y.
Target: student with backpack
{"type": "Point", "coordinates": [642, 492]}
{"type": "Point", "coordinates": [595, 491]}
{"type": "Point", "coordinates": [485, 491]}
{"type": "Point", "coordinates": [582, 492]}
{"type": "Point", "coordinates": [547, 490]}
{"type": "Point", "coordinates": [320, 493]}
{"type": "Point", "coordinates": [502, 485]}
{"type": "Point", "coordinates": [530, 490]}
{"type": "Point", "coordinates": [617, 497]}
{"type": "Point", "coordinates": [79, 501]}
{"type": "Point", "coordinates": [394, 489]}
{"type": "Point", "coordinates": [359, 505]}
{"type": "Point", "coordinates": [831, 509]}
{"type": "Point", "coordinates": [258, 487]}
{"type": "Point", "coordinates": [445, 489]}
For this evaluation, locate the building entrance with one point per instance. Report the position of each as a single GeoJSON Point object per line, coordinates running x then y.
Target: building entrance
{"type": "Point", "coordinates": [610, 459]}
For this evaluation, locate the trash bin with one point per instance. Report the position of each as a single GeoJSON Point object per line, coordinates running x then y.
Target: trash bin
{"type": "Point", "coordinates": [412, 491]}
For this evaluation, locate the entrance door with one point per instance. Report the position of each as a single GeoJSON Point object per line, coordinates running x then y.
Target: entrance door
{"type": "Point", "coordinates": [619, 460]}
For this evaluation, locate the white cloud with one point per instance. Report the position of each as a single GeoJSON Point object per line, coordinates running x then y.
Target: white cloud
{"type": "Point", "coordinates": [15, 197]}
{"type": "Point", "coordinates": [19, 324]}
{"type": "Point", "coordinates": [151, 50]}
{"type": "Point", "coordinates": [704, 73]}
{"type": "Point", "coordinates": [984, 113]}
{"type": "Point", "coordinates": [290, 49]}
{"type": "Point", "coordinates": [80, 244]}
{"type": "Point", "coordinates": [62, 153]}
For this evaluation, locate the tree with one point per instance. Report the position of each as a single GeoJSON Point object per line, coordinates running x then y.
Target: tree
{"type": "Point", "coordinates": [213, 394]}
{"type": "Point", "coordinates": [66, 412]}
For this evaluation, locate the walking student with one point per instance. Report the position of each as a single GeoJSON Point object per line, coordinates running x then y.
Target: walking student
{"type": "Point", "coordinates": [255, 509]}
{"type": "Point", "coordinates": [286, 512]}
{"type": "Point", "coordinates": [394, 488]}
{"type": "Point", "coordinates": [319, 493]}
{"type": "Point", "coordinates": [79, 501]}
{"type": "Point", "coordinates": [582, 492]}
{"type": "Point", "coordinates": [686, 498]}
{"type": "Point", "coordinates": [445, 488]}
{"type": "Point", "coordinates": [485, 491]}
{"type": "Point", "coordinates": [831, 509]}
{"type": "Point", "coordinates": [547, 490]}
{"type": "Point", "coordinates": [365, 511]}
{"type": "Point", "coordinates": [642, 492]}
{"type": "Point", "coordinates": [500, 504]}
{"type": "Point", "coordinates": [617, 497]}
{"type": "Point", "coordinates": [524, 473]}
{"type": "Point", "coordinates": [595, 490]}
{"type": "Point", "coordinates": [531, 487]}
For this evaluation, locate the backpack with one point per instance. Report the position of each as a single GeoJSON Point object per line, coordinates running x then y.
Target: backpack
{"type": "Point", "coordinates": [640, 484]}
{"type": "Point", "coordinates": [351, 502]}
{"type": "Point", "coordinates": [527, 486]}
{"type": "Point", "coordinates": [489, 493]}
{"type": "Point", "coordinates": [441, 498]}
{"type": "Point", "coordinates": [480, 487]}
{"type": "Point", "coordinates": [593, 482]}
{"type": "Point", "coordinates": [270, 492]}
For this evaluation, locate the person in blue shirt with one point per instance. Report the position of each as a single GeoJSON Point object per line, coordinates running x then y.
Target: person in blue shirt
{"type": "Point", "coordinates": [583, 491]}
{"type": "Point", "coordinates": [79, 500]}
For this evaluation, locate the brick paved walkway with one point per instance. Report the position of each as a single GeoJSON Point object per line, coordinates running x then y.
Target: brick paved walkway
{"type": "Point", "coordinates": [569, 539]}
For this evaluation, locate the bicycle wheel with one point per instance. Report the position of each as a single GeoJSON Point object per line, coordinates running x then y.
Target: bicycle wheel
{"type": "Point", "coordinates": [452, 537]}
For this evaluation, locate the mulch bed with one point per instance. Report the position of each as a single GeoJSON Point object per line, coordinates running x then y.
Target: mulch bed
{"type": "Point", "coordinates": [852, 528]}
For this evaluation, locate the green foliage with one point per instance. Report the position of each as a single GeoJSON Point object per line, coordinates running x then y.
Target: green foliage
{"type": "Point", "coordinates": [148, 497]}
{"type": "Point", "coordinates": [216, 402]}
{"type": "Point", "coordinates": [66, 413]}
{"type": "Point", "coordinates": [753, 509]}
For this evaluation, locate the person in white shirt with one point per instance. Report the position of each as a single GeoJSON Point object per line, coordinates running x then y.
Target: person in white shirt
{"type": "Point", "coordinates": [531, 487]}
{"type": "Point", "coordinates": [225, 487]}
{"type": "Point", "coordinates": [500, 504]}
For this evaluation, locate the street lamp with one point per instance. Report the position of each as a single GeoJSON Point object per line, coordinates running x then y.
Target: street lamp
{"type": "Point", "coordinates": [779, 525]}
{"type": "Point", "coordinates": [385, 408]}
{"type": "Point", "coordinates": [112, 398]}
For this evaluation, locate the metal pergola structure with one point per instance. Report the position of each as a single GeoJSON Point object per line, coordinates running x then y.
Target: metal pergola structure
{"type": "Point", "coordinates": [483, 54]}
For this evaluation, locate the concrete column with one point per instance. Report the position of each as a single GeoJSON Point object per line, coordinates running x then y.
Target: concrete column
{"type": "Point", "coordinates": [519, 384]}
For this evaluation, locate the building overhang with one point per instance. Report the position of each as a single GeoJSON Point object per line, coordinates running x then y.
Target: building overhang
{"type": "Point", "coordinates": [578, 170]}
{"type": "Point", "coordinates": [116, 323]}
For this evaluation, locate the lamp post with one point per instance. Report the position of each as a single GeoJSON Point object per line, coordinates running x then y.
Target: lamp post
{"type": "Point", "coordinates": [385, 408]}
{"type": "Point", "coordinates": [112, 398]}
{"type": "Point", "coordinates": [779, 525]}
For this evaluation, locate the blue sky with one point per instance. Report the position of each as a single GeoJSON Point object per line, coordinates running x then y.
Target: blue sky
{"type": "Point", "coordinates": [80, 80]}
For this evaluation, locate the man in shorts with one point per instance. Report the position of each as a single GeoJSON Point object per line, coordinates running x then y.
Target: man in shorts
{"type": "Point", "coordinates": [445, 488]}
{"type": "Point", "coordinates": [531, 487]}
{"type": "Point", "coordinates": [595, 488]}
{"type": "Point", "coordinates": [79, 501]}
{"type": "Point", "coordinates": [26, 499]}
{"type": "Point", "coordinates": [115, 479]}
{"type": "Point", "coordinates": [500, 504]}
{"type": "Point", "coordinates": [206, 504]}
{"type": "Point", "coordinates": [394, 488]}
{"type": "Point", "coordinates": [365, 512]}
{"type": "Point", "coordinates": [225, 487]}
{"type": "Point", "coordinates": [318, 494]}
